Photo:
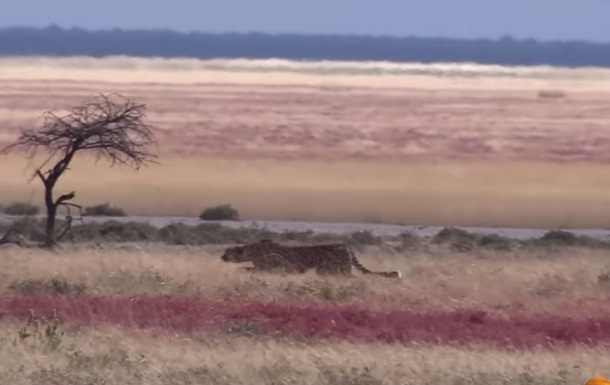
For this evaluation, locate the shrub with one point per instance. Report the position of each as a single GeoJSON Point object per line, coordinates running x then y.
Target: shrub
{"type": "Point", "coordinates": [30, 228]}
{"type": "Point", "coordinates": [496, 242]}
{"type": "Point", "coordinates": [457, 239]}
{"type": "Point", "coordinates": [104, 210]}
{"type": "Point", "coordinates": [551, 94]}
{"type": "Point", "coordinates": [409, 240]}
{"type": "Point", "coordinates": [44, 331]}
{"type": "Point", "coordinates": [178, 234]}
{"type": "Point", "coordinates": [115, 231]}
{"type": "Point", "coordinates": [224, 212]}
{"type": "Point", "coordinates": [54, 286]}
{"type": "Point", "coordinates": [214, 233]}
{"type": "Point", "coordinates": [564, 238]}
{"type": "Point", "coordinates": [363, 238]}
{"type": "Point", "coordinates": [21, 208]}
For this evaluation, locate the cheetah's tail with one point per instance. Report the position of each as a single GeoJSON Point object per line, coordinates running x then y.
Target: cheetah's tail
{"type": "Point", "coordinates": [359, 266]}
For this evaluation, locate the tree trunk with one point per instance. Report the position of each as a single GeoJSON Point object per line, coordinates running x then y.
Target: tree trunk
{"type": "Point", "coordinates": [51, 213]}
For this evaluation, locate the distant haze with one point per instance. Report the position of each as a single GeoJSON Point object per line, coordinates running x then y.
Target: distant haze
{"type": "Point", "coordinates": [537, 19]}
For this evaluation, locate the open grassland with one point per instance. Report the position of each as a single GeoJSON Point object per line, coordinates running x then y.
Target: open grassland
{"type": "Point", "coordinates": [160, 314]}
{"type": "Point", "coordinates": [419, 144]}
{"type": "Point", "coordinates": [524, 194]}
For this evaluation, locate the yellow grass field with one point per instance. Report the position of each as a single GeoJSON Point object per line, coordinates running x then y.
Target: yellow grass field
{"type": "Point", "coordinates": [442, 144]}
{"type": "Point", "coordinates": [549, 283]}
{"type": "Point", "coordinates": [510, 194]}
{"type": "Point", "coordinates": [112, 357]}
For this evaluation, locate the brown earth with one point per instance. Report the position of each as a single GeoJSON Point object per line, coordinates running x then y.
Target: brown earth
{"type": "Point", "coordinates": [301, 121]}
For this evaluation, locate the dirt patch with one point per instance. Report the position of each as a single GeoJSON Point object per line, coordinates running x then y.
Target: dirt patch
{"type": "Point", "coordinates": [238, 121]}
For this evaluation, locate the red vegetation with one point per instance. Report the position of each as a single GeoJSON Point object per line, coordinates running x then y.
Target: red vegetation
{"type": "Point", "coordinates": [300, 319]}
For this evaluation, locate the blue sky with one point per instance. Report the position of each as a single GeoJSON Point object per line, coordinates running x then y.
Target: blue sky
{"type": "Point", "coordinates": [539, 19]}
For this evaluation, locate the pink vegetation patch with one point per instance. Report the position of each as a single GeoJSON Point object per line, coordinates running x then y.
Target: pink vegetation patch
{"type": "Point", "coordinates": [301, 319]}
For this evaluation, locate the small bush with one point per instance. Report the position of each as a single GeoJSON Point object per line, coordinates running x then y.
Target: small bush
{"type": "Point", "coordinates": [408, 240]}
{"type": "Point", "coordinates": [42, 331]}
{"type": "Point", "coordinates": [104, 210]}
{"type": "Point", "coordinates": [54, 286]}
{"type": "Point", "coordinates": [496, 242]}
{"type": "Point", "coordinates": [21, 208]}
{"type": "Point", "coordinates": [179, 234]}
{"type": "Point", "coordinates": [30, 228]}
{"type": "Point", "coordinates": [115, 231]}
{"type": "Point", "coordinates": [551, 94]}
{"type": "Point", "coordinates": [363, 238]}
{"type": "Point", "coordinates": [564, 238]}
{"type": "Point", "coordinates": [457, 239]}
{"type": "Point", "coordinates": [220, 213]}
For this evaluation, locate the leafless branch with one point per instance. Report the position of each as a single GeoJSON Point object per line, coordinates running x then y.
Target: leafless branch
{"type": "Point", "coordinates": [110, 126]}
{"type": "Point", "coordinates": [66, 229]}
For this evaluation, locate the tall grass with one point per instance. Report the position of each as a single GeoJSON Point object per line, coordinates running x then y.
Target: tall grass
{"type": "Point", "coordinates": [568, 280]}
{"type": "Point", "coordinates": [145, 313]}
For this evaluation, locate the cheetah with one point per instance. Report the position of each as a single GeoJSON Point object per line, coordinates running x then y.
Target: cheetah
{"type": "Point", "coordinates": [326, 259]}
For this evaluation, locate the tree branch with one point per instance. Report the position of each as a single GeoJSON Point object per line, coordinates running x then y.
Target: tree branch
{"type": "Point", "coordinates": [109, 126]}
{"type": "Point", "coordinates": [68, 225]}
{"type": "Point", "coordinates": [65, 198]}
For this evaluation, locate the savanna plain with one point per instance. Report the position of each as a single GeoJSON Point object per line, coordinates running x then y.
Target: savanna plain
{"type": "Point", "coordinates": [449, 145]}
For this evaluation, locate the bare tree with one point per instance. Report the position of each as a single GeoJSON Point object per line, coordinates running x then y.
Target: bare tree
{"type": "Point", "coordinates": [111, 126]}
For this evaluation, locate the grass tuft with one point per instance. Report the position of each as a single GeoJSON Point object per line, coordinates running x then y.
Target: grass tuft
{"type": "Point", "coordinates": [224, 212]}
{"type": "Point", "coordinates": [21, 208]}
{"type": "Point", "coordinates": [104, 210]}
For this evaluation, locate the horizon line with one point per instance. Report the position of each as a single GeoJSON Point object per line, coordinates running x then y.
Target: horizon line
{"type": "Point", "coordinates": [304, 34]}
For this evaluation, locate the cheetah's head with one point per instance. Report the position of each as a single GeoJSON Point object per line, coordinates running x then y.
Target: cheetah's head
{"type": "Point", "coordinates": [234, 254]}
{"type": "Point", "coordinates": [246, 252]}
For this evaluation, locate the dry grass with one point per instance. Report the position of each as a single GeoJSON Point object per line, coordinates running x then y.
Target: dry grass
{"type": "Point", "coordinates": [557, 281]}
{"type": "Point", "coordinates": [567, 282]}
{"type": "Point", "coordinates": [109, 356]}
{"type": "Point", "coordinates": [471, 193]}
